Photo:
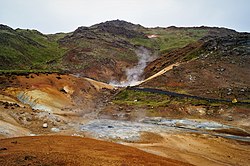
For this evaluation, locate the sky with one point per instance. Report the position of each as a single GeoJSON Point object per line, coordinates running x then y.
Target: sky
{"type": "Point", "coordinates": [52, 16]}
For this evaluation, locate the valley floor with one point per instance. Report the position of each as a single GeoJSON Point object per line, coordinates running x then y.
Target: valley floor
{"type": "Point", "coordinates": [72, 108]}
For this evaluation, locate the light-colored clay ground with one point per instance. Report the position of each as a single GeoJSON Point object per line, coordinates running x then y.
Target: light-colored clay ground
{"type": "Point", "coordinates": [197, 149]}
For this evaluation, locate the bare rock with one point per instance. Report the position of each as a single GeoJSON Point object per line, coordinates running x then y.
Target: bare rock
{"type": "Point", "coordinates": [45, 125]}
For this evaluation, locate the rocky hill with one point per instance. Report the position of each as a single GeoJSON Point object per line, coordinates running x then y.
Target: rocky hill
{"type": "Point", "coordinates": [103, 51]}
{"type": "Point", "coordinates": [212, 62]}
{"type": "Point", "coordinates": [213, 66]}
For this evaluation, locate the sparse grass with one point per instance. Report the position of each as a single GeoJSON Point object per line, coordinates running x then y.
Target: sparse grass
{"type": "Point", "coordinates": [150, 43]}
{"type": "Point", "coordinates": [170, 39]}
{"type": "Point", "coordinates": [146, 99]}
{"type": "Point", "coordinates": [248, 100]}
{"type": "Point", "coordinates": [27, 50]}
{"type": "Point", "coordinates": [138, 98]}
{"type": "Point", "coordinates": [57, 36]}
{"type": "Point", "coordinates": [191, 56]}
{"type": "Point", "coordinates": [176, 89]}
{"type": "Point", "coordinates": [142, 103]}
{"type": "Point", "coordinates": [29, 71]}
{"type": "Point", "coordinates": [31, 50]}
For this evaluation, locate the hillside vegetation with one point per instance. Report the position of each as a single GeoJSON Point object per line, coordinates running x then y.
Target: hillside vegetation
{"type": "Point", "coordinates": [109, 47]}
{"type": "Point", "coordinates": [106, 50]}
{"type": "Point", "coordinates": [28, 49]}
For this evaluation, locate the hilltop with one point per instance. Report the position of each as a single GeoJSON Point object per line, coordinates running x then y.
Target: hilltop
{"type": "Point", "coordinates": [109, 47]}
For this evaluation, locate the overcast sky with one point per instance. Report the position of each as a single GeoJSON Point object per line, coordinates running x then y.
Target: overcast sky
{"type": "Point", "coordinates": [51, 16]}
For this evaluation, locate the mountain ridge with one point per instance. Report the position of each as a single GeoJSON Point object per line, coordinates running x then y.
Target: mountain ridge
{"type": "Point", "coordinates": [110, 45]}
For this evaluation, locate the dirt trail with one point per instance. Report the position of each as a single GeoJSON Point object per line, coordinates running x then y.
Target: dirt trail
{"type": "Point", "coordinates": [170, 67]}
{"type": "Point", "coordinates": [99, 85]}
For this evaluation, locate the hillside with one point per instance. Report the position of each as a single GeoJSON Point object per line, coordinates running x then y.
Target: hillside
{"type": "Point", "coordinates": [212, 62]}
{"type": "Point", "coordinates": [214, 67]}
{"type": "Point", "coordinates": [27, 50]}
{"type": "Point", "coordinates": [111, 47]}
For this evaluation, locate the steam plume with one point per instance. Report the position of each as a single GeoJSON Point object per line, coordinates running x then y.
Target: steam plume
{"type": "Point", "coordinates": [134, 74]}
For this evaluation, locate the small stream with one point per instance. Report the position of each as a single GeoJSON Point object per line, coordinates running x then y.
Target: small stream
{"type": "Point", "coordinates": [131, 131]}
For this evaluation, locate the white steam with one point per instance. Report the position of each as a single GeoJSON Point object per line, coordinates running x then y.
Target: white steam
{"type": "Point", "coordinates": [134, 74]}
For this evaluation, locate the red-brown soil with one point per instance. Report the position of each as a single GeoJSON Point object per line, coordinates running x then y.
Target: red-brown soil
{"type": "Point", "coordinates": [67, 150]}
{"type": "Point", "coordinates": [62, 99]}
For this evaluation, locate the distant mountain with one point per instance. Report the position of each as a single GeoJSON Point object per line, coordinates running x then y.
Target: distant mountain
{"type": "Point", "coordinates": [103, 51]}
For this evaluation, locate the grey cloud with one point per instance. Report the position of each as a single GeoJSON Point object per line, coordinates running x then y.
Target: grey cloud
{"type": "Point", "coordinates": [50, 16]}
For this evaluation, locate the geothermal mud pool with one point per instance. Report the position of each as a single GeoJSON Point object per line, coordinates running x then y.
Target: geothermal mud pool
{"type": "Point", "coordinates": [131, 131]}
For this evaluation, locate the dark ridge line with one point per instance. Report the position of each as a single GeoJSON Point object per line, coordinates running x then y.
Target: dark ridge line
{"type": "Point", "coordinates": [174, 94]}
